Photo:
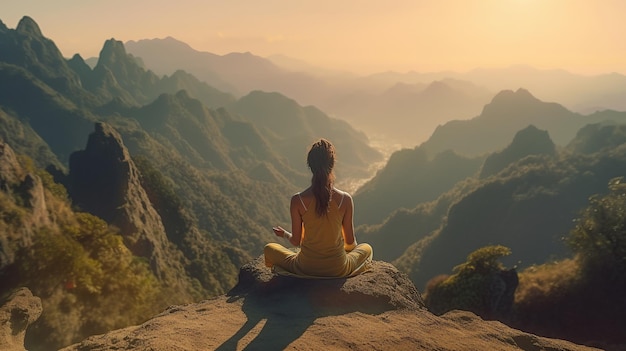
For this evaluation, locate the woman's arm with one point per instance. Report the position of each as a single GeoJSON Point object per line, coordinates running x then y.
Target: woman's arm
{"type": "Point", "coordinates": [295, 237]}
{"type": "Point", "coordinates": [347, 224]}
{"type": "Point", "coordinates": [296, 221]}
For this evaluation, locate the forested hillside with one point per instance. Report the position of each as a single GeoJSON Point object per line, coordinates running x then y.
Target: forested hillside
{"type": "Point", "coordinates": [417, 191]}
{"type": "Point", "coordinates": [528, 206]}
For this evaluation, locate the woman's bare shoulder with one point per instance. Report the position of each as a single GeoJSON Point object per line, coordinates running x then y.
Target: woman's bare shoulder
{"type": "Point", "coordinates": [304, 194]}
{"type": "Point", "coordinates": [302, 197]}
{"type": "Point", "coordinates": [342, 194]}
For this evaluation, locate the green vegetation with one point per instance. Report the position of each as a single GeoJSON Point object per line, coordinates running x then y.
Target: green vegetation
{"type": "Point", "coordinates": [483, 261]}
{"type": "Point", "coordinates": [599, 238]}
{"type": "Point", "coordinates": [582, 299]}
{"type": "Point", "coordinates": [213, 264]}
{"type": "Point", "coordinates": [88, 281]}
{"type": "Point", "coordinates": [480, 285]}
{"type": "Point", "coordinates": [528, 206]}
{"type": "Point", "coordinates": [578, 298]}
{"type": "Point", "coordinates": [24, 140]}
{"type": "Point", "coordinates": [409, 178]}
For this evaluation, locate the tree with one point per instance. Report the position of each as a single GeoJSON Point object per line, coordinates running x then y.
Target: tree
{"type": "Point", "coordinates": [599, 236]}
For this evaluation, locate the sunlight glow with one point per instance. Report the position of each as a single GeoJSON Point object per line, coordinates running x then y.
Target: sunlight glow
{"type": "Point", "coordinates": [366, 37]}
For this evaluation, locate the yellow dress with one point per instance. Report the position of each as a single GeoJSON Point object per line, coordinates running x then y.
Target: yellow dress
{"type": "Point", "coordinates": [322, 252]}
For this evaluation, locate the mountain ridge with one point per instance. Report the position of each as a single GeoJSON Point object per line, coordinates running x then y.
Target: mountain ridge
{"type": "Point", "coordinates": [507, 113]}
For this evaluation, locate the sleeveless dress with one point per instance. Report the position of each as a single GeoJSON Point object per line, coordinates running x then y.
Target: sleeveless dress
{"type": "Point", "coordinates": [322, 252]}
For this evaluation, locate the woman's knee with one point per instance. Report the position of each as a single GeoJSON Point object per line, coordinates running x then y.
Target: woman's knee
{"type": "Point", "coordinates": [268, 254]}
{"type": "Point", "coordinates": [270, 247]}
{"type": "Point", "coordinates": [365, 247]}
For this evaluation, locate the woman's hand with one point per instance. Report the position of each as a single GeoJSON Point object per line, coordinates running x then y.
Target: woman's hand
{"type": "Point", "coordinates": [349, 247]}
{"type": "Point", "coordinates": [281, 232]}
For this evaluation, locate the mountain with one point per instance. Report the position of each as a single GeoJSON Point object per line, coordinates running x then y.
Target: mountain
{"type": "Point", "coordinates": [596, 137]}
{"type": "Point", "coordinates": [364, 100]}
{"type": "Point", "coordinates": [579, 93]}
{"type": "Point", "coordinates": [527, 206]}
{"type": "Point", "coordinates": [26, 47]}
{"type": "Point", "coordinates": [254, 108]}
{"type": "Point", "coordinates": [25, 140]}
{"type": "Point", "coordinates": [296, 65]}
{"type": "Point", "coordinates": [409, 178]}
{"type": "Point", "coordinates": [208, 95]}
{"type": "Point", "coordinates": [236, 73]}
{"type": "Point", "coordinates": [507, 113]}
{"type": "Point", "coordinates": [523, 196]}
{"type": "Point", "coordinates": [528, 141]}
{"type": "Point", "coordinates": [56, 120]}
{"type": "Point", "coordinates": [411, 111]}
{"type": "Point", "coordinates": [361, 101]}
{"type": "Point", "coordinates": [291, 128]}
{"type": "Point", "coordinates": [409, 197]}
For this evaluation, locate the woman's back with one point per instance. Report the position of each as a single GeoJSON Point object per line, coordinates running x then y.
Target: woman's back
{"type": "Point", "coordinates": [322, 246]}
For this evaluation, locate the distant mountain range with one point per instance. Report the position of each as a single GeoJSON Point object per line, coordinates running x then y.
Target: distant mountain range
{"type": "Point", "coordinates": [508, 112]}
{"type": "Point", "coordinates": [378, 104]}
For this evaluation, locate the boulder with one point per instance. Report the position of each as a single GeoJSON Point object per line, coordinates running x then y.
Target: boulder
{"type": "Point", "coordinates": [381, 288]}
{"type": "Point", "coordinates": [19, 311]}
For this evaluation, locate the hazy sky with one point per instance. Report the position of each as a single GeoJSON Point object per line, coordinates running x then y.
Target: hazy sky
{"type": "Point", "coordinates": [582, 36]}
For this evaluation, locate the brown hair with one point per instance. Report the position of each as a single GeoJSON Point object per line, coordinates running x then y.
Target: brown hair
{"type": "Point", "coordinates": [321, 160]}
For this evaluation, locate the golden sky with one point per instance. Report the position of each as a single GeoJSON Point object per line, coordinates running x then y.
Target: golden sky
{"type": "Point", "coordinates": [365, 36]}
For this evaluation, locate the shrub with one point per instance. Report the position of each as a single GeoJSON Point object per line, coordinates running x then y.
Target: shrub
{"type": "Point", "coordinates": [481, 285]}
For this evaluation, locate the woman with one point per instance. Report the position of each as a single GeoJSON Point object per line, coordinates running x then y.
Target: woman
{"type": "Point", "coordinates": [322, 225]}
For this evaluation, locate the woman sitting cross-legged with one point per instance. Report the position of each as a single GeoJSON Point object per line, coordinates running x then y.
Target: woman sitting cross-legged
{"type": "Point", "coordinates": [322, 225]}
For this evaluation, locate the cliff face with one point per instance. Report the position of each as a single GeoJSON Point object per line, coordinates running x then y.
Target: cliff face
{"type": "Point", "coordinates": [377, 310]}
{"type": "Point", "coordinates": [10, 169]}
{"type": "Point", "coordinates": [104, 181]}
{"type": "Point", "coordinates": [26, 188]}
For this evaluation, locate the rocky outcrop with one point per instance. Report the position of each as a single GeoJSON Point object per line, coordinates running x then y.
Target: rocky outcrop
{"type": "Point", "coordinates": [31, 190]}
{"type": "Point", "coordinates": [377, 310]}
{"type": "Point", "coordinates": [10, 170]}
{"type": "Point", "coordinates": [382, 288]}
{"type": "Point", "coordinates": [104, 181]}
{"type": "Point", "coordinates": [19, 311]}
